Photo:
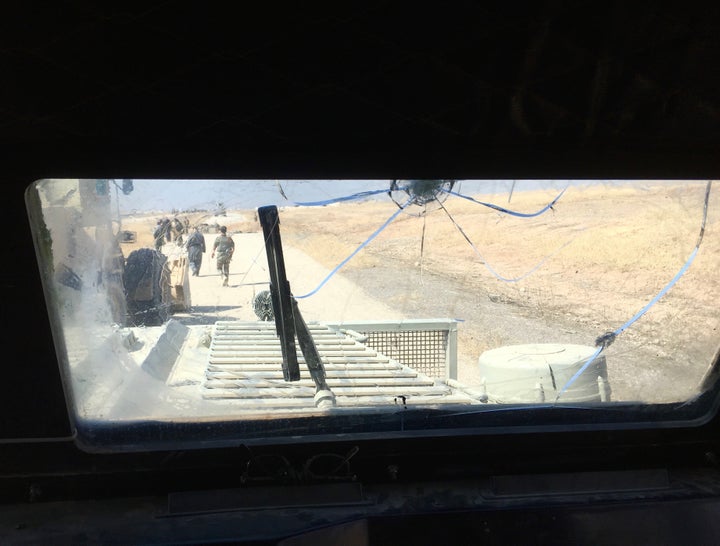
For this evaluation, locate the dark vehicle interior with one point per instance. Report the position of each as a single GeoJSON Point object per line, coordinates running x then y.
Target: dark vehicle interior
{"type": "Point", "coordinates": [373, 90]}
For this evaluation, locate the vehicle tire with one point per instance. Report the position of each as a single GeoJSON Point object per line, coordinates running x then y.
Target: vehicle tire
{"type": "Point", "coordinates": [262, 305]}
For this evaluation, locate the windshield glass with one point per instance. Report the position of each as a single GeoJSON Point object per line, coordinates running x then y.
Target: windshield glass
{"type": "Point", "coordinates": [205, 300]}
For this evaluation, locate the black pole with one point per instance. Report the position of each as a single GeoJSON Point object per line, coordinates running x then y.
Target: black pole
{"type": "Point", "coordinates": [288, 320]}
{"type": "Point", "coordinates": [280, 291]}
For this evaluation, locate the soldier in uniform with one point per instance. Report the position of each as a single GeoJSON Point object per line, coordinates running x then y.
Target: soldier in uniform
{"type": "Point", "coordinates": [177, 230]}
{"type": "Point", "coordinates": [196, 248]}
{"type": "Point", "coordinates": [159, 235]}
{"type": "Point", "coordinates": [224, 246]}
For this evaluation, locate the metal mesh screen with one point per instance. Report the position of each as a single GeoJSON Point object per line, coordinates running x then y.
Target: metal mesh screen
{"type": "Point", "coordinates": [424, 351]}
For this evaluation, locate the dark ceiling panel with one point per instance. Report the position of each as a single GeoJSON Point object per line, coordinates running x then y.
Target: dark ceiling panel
{"type": "Point", "coordinates": [548, 75]}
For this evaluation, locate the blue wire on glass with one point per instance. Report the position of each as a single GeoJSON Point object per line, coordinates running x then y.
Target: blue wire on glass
{"type": "Point", "coordinates": [607, 339]}
{"type": "Point", "coordinates": [488, 266]}
{"type": "Point", "coordinates": [498, 208]}
{"type": "Point", "coordinates": [371, 193]}
{"type": "Point", "coordinates": [358, 249]}
{"type": "Point", "coordinates": [359, 195]}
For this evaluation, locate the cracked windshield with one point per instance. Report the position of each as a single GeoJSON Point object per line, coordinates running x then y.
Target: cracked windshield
{"type": "Point", "coordinates": [184, 299]}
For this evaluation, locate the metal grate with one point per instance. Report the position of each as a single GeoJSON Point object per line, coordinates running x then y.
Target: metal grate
{"type": "Point", "coordinates": [245, 366]}
{"type": "Point", "coordinates": [426, 345]}
{"type": "Point", "coordinates": [424, 351]}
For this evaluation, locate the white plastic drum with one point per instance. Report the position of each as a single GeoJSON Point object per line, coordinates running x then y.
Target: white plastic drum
{"type": "Point", "coordinates": [537, 372]}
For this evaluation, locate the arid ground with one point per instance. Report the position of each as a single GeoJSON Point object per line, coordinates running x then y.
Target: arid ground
{"type": "Point", "coordinates": [586, 267]}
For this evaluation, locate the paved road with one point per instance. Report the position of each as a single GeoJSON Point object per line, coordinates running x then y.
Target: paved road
{"type": "Point", "coordinates": [337, 300]}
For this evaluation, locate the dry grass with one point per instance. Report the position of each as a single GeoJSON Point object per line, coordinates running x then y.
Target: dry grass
{"type": "Point", "coordinates": [608, 251]}
{"type": "Point", "coordinates": [616, 246]}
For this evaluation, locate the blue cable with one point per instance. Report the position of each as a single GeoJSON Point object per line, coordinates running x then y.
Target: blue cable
{"type": "Point", "coordinates": [488, 266]}
{"type": "Point", "coordinates": [508, 211]}
{"type": "Point", "coordinates": [660, 294]}
{"type": "Point", "coordinates": [606, 340]}
{"type": "Point", "coordinates": [612, 335]}
{"type": "Point", "coordinates": [358, 249]}
{"type": "Point", "coordinates": [359, 195]}
{"type": "Point", "coordinates": [370, 193]}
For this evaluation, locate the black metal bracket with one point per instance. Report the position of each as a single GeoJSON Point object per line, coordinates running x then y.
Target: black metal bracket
{"type": "Point", "coordinates": [280, 291]}
{"type": "Point", "coordinates": [289, 322]}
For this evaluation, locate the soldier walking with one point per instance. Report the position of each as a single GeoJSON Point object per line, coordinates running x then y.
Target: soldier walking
{"type": "Point", "coordinates": [224, 246]}
{"type": "Point", "coordinates": [196, 248]}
